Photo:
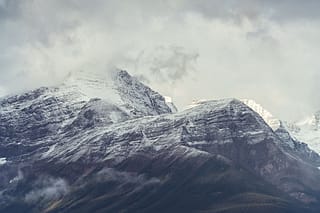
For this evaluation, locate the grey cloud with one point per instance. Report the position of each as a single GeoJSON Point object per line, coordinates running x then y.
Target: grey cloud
{"type": "Point", "coordinates": [284, 10]}
{"type": "Point", "coordinates": [314, 96]}
{"type": "Point", "coordinates": [168, 64]}
{"type": "Point", "coordinates": [263, 35]}
{"type": "Point", "coordinates": [9, 9]}
{"type": "Point", "coordinates": [265, 50]}
{"type": "Point", "coordinates": [293, 9]}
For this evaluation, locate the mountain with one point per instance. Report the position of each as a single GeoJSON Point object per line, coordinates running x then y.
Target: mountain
{"type": "Point", "coordinates": [308, 130]}
{"type": "Point", "coordinates": [112, 144]}
{"type": "Point", "coordinates": [84, 100]}
{"type": "Point", "coordinates": [297, 146]}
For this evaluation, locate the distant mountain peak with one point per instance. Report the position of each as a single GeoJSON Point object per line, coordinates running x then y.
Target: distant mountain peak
{"type": "Point", "coordinates": [308, 131]}
{"type": "Point", "coordinates": [312, 122]}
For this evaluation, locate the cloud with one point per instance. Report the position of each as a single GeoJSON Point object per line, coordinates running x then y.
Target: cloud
{"type": "Point", "coordinates": [165, 64]}
{"type": "Point", "coordinates": [2, 92]}
{"type": "Point", "coordinates": [47, 189]}
{"type": "Point", "coordinates": [110, 174]}
{"type": "Point", "coordinates": [264, 50]}
{"type": "Point", "coordinates": [17, 178]}
{"type": "Point", "coordinates": [284, 11]}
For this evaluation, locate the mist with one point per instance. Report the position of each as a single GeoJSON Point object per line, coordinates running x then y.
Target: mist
{"type": "Point", "coordinates": [47, 189]}
{"type": "Point", "coordinates": [262, 50]}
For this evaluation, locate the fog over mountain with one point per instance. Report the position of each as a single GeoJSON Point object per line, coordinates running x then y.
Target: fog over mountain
{"type": "Point", "coordinates": [207, 49]}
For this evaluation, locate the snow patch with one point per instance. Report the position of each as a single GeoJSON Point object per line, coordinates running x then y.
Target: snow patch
{"type": "Point", "coordinates": [168, 99]}
{"type": "Point", "coordinates": [3, 161]}
{"type": "Point", "coordinates": [170, 104]}
{"type": "Point", "coordinates": [50, 150]}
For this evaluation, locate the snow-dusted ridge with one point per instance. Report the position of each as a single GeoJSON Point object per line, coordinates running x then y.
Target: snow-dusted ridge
{"type": "Point", "coordinates": [298, 138]}
{"type": "Point", "coordinates": [156, 131]}
{"type": "Point", "coordinates": [272, 121]}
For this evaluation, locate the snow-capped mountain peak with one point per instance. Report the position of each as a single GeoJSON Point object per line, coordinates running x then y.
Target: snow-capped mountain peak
{"type": "Point", "coordinates": [119, 88]}
{"type": "Point", "coordinates": [82, 101]}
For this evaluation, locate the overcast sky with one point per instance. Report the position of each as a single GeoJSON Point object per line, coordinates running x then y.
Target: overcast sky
{"type": "Point", "coordinates": [267, 50]}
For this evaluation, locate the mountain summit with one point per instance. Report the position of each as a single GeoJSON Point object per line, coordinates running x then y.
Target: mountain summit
{"type": "Point", "coordinates": [121, 89]}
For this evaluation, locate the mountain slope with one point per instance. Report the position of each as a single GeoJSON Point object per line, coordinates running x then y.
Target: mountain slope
{"type": "Point", "coordinates": [301, 134]}
{"type": "Point", "coordinates": [297, 146]}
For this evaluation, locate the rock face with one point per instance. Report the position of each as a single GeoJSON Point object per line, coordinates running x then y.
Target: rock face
{"type": "Point", "coordinates": [272, 121]}
{"type": "Point", "coordinates": [74, 148]}
{"type": "Point", "coordinates": [287, 133]}
{"type": "Point", "coordinates": [303, 134]}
